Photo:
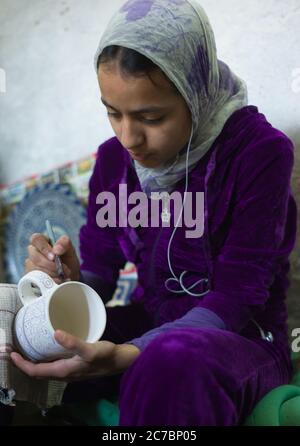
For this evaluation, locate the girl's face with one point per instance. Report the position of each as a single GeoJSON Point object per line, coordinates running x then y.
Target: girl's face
{"type": "Point", "coordinates": [150, 120]}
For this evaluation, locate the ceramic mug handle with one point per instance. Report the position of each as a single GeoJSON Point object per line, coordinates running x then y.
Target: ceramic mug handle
{"type": "Point", "coordinates": [40, 280]}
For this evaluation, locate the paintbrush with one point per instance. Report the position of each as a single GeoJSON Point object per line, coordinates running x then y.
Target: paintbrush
{"type": "Point", "coordinates": [57, 260]}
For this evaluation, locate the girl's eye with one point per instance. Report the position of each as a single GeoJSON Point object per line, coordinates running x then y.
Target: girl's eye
{"type": "Point", "coordinates": [113, 115]}
{"type": "Point", "coordinates": [147, 121]}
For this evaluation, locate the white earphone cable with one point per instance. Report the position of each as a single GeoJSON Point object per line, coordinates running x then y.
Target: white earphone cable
{"type": "Point", "coordinates": [175, 278]}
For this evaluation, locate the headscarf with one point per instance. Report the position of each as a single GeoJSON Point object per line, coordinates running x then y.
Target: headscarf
{"type": "Point", "coordinates": [177, 36]}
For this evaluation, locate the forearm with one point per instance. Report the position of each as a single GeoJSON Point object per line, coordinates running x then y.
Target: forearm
{"type": "Point", "coordinates": [87, 360]}
{"type": "Point", "coordinates": [125, 355]}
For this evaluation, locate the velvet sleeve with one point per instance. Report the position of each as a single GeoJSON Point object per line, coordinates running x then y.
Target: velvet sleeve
{"type": "Point", "coordinates": [101, 255]}
{"type": "Point", "coordinates": [195, 318]}
{"type": "Point", "coordinates": [261, 234]}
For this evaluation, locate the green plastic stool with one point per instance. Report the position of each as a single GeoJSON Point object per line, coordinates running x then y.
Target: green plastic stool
{"type": "Point", "coordinates": [281, 406]}
{"type": "Point", "coordinates": [100, 413]}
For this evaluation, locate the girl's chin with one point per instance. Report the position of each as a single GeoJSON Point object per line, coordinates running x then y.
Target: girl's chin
{"type": "Point", "coordinates": [149, 163]}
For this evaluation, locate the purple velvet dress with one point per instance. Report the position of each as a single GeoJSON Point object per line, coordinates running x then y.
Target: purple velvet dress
{"type": "Point", "coordinates": [203, 360]}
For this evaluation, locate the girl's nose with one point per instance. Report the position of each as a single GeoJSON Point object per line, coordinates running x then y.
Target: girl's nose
{"type": "Point", "coordinates": [131, 137]}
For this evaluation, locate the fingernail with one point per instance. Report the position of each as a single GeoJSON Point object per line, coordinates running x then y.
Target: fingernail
{"type": "Point", "coordinates": [59, 249]}
{"type": "Point", "coordinates": [50, 256]}
{"type": "Point", "coordinates": [61, 334]}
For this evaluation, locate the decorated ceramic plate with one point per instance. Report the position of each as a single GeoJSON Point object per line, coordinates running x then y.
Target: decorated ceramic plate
{"type": "Point", "coordinates": [55, 202]}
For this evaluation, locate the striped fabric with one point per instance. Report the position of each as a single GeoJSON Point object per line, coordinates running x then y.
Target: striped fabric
{"type": "Point", "coordinates": [14, 384]}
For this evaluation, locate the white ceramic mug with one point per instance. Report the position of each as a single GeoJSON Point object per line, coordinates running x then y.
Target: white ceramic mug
{"type": "Point", "coordinates": [72, 306]}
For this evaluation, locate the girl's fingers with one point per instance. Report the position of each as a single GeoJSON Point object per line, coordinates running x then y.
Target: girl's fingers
{"type": "Point", "coordinates": [62, 245]}
{"type": "Point", "coordinates": [39, 259]}
{"type": "Point", "coordinates": [30, 266]}
{"type": "Point", "coordinates": [40, 242]}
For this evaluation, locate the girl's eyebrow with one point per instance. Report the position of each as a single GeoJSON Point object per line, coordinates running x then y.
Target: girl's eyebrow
{"type": "Point", "coordinates": [153, 108]}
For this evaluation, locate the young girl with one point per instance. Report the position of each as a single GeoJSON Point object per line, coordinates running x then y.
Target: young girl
{"type": "Point", "coordinates": [204, 337]}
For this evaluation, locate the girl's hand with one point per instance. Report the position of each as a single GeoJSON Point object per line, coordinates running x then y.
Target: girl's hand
{"type": "Point", "coordinates": [90, 360]}
{"type": "Point", "coordinates": [41, 257]}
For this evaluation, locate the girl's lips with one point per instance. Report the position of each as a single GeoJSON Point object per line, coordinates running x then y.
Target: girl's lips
{"type": "Point", "coordinates": [138, 157]}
